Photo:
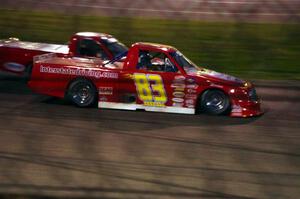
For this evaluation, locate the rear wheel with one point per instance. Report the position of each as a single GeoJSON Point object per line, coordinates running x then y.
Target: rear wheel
{"type": "Point", "coordinates": [82, 93]}
{"type": "Point", "coordinates": [215, 102]}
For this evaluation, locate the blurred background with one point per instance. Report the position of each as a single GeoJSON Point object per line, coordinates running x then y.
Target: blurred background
{"type": "Point", "coordinates": [51, 148]}
{"type": "Point", "coordinates": [256, 39]}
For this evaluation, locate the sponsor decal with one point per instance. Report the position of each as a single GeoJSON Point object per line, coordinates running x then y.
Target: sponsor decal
{"type": "Point", "coordinates": [177, 104]}
{"type": "Point", "coordinates": [105, 90]}
{"type": "Point", "coordinates": [179, 89]}
{"type": "Point", "coordinates": [14, 67]}
{"type": "Point", "coordinates": [178, 85]}
{"type": "Point", "coordinates": [236, 109]}
{"type": "Point", "coordinates": [191, 91]}
{"type": "Point", "coordinates": [156, 104]}
{"type": "Point", "coordinates": [191, 96]}
{"type": "Point", "coordinates": [44, 56]}
{"type": "Point", "coordinates": [128, 76]}
{"type": "Point", "coordinates": [179, 79]}
{"type": "Point", "coordinates": [150, 89]}
{"type": "Point", "coordinates": [191, 81]}
{"type": "Point", "coordinates": [178, 100]}
{"type": "Point", "coordinates": [190, 105]}
{"type": "Point", "coordinates": [103, 99]}
{"type": "Point", "coordinates": [79, 72]}
{"type": "Point", "coordinates": [178, 94]}
{"type": "Point", "coordinates": [190, 102]}
{"type": "Point", "coordinates": [193, 86]}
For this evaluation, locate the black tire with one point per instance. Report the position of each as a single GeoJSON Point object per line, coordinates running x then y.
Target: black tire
{"type": "Point", "coordinates": [82, 93]}
{"type": "Point", "coordinates": [215, 102]}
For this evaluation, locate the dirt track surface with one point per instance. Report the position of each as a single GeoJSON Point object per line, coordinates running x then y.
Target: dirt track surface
{"type": "Point", "coordinates": [49, 147]}
{"type": "Point", "coordinates": [216, 10]}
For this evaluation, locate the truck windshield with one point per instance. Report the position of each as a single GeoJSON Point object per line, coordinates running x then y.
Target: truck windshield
{"type": "Point", "coordinates": [114, 46]}
{"type": "Point", "coordinates": [185, 63]}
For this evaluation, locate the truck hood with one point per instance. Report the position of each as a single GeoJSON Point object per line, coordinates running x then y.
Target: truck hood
{"type": "Point", "coordinates": [218, 77]}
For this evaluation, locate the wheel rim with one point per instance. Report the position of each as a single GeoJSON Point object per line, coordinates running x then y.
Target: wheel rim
{"type": "Point", "coordinates": [214, 101]}
{"type": "Point", "coordinates": [81, 93]}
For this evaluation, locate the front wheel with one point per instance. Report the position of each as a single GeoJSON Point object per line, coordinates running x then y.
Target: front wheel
{"type": "Point", "coordinates": [82, 93]}
{"type": "Point", "coordinates": [214, 102]}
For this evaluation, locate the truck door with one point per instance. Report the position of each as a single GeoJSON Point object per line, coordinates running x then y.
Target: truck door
{"type": "Point", "coordinates": [154, 80]}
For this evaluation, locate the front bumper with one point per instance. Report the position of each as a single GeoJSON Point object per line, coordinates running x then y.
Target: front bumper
{"type": "Point", "coordinates": [246, 104]}
{"type": "Point", "coordinates": [246, 108]}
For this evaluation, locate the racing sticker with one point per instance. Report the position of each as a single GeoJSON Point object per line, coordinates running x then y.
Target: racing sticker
{"type": "Point", "coordinates": [128, 76]}
{"type": "Point", "coordinates": [192, 86]}
{"type": "Point", "coordinates": [191, 81]}
{"type": "Point", "coordinates": [191, 91]}
{"type": "Point", "coordinates": [177, 104]}
{"type": "Point", "coordinates": [156, 104]}
{"type": "Point", "coordinates": [15, 67]}
{"type": "Point", "coordinates": [105, 90]}
{"type": "Point", "coordinates": [190, 106]}
{"type": "Point", "coordinates": [79, 72]}
{"type": "Point", "coordinates": [150, 89]}
{"type": "Point", "coordinates": [190, 99]}
{"type": "Point", "coordinates": [178, 100]}
{"type": "Point", "coordinates": [178, 84]}
{"type": "Point", "coordinates": [236, 109]}
{"type": "Point", "coordinates": [189, 102]}
{"type": "Point", "coordinates": [191, 96]}
{"type": "Point", "coordinates": [103, 99]}
{"type": "Point", "coordinates": [179, 79]}
{"type": "Point", "coordinates": [178, 94]}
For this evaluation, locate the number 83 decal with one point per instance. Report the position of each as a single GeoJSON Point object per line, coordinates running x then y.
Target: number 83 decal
{"type": "Point", "coordinates": [150, 88]}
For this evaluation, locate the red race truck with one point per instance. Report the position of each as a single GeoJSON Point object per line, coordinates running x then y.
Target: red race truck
{"type": "Point", "coordinates": [149, 76]}
{"type": "Point", "coordinates": [17, 56]}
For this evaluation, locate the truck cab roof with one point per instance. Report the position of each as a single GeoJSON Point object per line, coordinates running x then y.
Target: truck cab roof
{"type": "Point", "coordinates": [93, 35]}
{"type": "Point", "coordinates": [154, 46]}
